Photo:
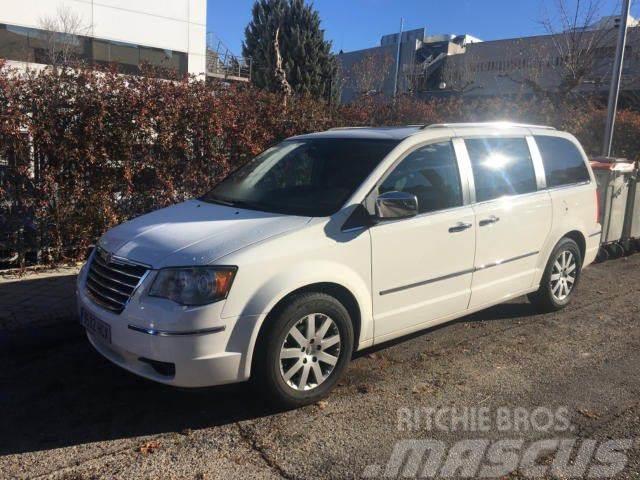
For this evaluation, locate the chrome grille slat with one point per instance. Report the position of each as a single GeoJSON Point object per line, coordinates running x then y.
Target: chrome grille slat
{"type": "Point", "coordinates": [102, 303]}
{"type": "Point", "coordinates": [101, 262]}
{"type": "Point", "coordinates": [111, 289]}
{"type": "Point", "coordinates": [111, 281]}
{"type": "Point", "coordinates": [97, 270]}
{"type": "Point", "coordinates": [102, 296]}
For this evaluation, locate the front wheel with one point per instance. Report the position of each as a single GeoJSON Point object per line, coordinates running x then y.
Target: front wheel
{"type": "Point", "coordinates": [304, 350]}
{"type": "Point", "coordinates": [560, 277]}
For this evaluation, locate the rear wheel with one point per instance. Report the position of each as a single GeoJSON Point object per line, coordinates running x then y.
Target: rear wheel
{"type": "Point", "coordinates": [304, 350]}
{"type": "Point", "coordinates": [560, 277]}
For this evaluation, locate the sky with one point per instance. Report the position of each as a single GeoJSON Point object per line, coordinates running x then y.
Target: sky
{"type": "Point", "coordinates": [356, 24]}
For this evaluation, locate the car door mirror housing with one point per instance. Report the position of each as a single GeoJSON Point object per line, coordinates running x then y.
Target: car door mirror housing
{"type": "Point", "coordinates": [394, 205]}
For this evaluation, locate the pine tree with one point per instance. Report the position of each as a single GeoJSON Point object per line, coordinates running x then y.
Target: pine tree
{"type": "Point", "coordinates": [309, 65]}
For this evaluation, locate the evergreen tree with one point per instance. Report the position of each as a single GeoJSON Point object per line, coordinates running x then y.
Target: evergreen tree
{"type": "Point", "coordinates": [306, 55]}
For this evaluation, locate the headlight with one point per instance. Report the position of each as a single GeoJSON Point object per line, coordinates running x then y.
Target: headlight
{"type": "Point", "coordinates": [193, 286]}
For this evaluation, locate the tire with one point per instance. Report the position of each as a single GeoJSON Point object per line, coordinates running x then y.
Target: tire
{"type": "Point", "coordinates": [550, 297]}
{"type": "Point", "coordinates": [277, 354]}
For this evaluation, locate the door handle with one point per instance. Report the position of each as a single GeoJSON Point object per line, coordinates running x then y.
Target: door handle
{"type": "Point", "coordinates": [460, 227]}
{"type": "Point", "coordinates": [488, 221]}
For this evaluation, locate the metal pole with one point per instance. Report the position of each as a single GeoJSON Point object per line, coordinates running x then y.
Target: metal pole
{"type": "Point", "coordinates": [395, 80]}
{"type": "Point", "coordinates": [616, 77]}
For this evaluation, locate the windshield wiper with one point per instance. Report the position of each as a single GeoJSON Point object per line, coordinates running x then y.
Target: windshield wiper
{"type": "Point", "coordinates": [231, 203]}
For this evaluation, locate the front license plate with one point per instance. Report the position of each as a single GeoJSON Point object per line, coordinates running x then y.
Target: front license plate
{"type": "Point", "coordinates": [96, 326]}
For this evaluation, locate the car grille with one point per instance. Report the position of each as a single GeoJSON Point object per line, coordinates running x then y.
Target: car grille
{"type": "Point", "coordinates": [111, 281]}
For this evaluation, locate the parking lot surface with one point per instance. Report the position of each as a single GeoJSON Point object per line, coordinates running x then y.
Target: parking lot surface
{"type": "Point", "coordinates": [65, 412]}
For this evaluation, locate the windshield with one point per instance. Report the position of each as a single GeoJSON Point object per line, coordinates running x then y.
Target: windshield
{"type": "Point", "coordinates": [312, 177]}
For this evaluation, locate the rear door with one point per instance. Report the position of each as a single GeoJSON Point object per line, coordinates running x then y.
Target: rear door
{"type": "Point", "coordinates": [422, 266]}
{"type": "Point", "coordinates": [513, 215]}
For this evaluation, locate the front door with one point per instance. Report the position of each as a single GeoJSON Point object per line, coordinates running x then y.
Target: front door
{"type": "Point", "coordinates": [513, 218]}
{"type": "Point", "coordinates": [422, 266]}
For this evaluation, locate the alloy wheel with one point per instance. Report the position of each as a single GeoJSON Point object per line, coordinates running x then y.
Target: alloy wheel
{"type": "Point", "coordinates": [563, 275]}
{"type": "Point", "coordinates": [310, 352]}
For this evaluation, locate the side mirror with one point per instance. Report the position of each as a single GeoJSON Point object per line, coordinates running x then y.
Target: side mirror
{"type": "Point", "coordinates": [396, 205]}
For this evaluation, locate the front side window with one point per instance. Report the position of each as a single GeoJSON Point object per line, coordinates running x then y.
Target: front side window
{"type": "Point", "coordinates": [501, 166]}
{"type": "Point", "coordinates": [563, 162]}
{"type": "Point", "coordinates": [431, 174]}
{"type": "Point", "coordinates": [311, 177]}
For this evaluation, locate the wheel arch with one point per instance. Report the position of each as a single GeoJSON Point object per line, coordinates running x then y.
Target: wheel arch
{"type": "Point", "coordinates": [336, 290]}
{"type": "Point", "coordinates": [578, 237]}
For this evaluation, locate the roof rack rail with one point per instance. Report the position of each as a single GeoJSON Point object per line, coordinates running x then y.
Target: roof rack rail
{"type": "Point", "coordinates": [345, 128]}
{"type": "Point", "coordinates": [379, 127]}
{"type": "Point", "coordinates": [487, 124]}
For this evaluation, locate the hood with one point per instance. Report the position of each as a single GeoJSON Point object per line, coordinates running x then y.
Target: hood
{"type": "Point", "coordinates": [194, 233]}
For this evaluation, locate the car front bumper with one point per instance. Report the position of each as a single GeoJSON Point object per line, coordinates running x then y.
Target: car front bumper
{"type": "Point", "coordinates": [171, 344]}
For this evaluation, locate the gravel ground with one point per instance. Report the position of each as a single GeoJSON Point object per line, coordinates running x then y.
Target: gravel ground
{"type": "Point", "coordinates": [68, 413]}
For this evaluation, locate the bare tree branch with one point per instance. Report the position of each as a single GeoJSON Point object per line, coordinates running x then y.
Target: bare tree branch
{"type": "Point", "coordinates": [369, 74]}
{"type": "Point", "coordinates": [575, 42]}
{"type": "Point", "coordinates": [62, 36]}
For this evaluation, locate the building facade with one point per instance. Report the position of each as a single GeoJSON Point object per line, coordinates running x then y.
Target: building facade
{"type": "Point", "coordinates": [443, 65]}
{"type": "Point", "coordinates": [167, 34]}
{"type": "Point", "coordinates": [373, 70]}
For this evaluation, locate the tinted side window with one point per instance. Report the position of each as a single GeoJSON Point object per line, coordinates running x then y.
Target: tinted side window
{"type": "Point", "coordinates": [563, 163]}
{"type": "Point", "coordinates": [501, 166]}
{"type": "Point", "coordinates": [431, 174]}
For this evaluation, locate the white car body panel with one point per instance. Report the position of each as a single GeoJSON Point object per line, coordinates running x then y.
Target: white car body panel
{"type": "Point", "coordinates": [193, 233]}
{"type": "Point", "coordinates": [508, 251]}
{"type": "Point", "coordinates": [404, 275]}
{"type": "Point", "coordinates": [404, 291]}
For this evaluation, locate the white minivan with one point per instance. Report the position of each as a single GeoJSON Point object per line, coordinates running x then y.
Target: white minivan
{"type": "Point", "coordinates": [332, 242]}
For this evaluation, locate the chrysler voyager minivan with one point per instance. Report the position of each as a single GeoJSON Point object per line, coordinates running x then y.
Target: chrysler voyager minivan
{"type": "Point", "coordinates": [332, 242]}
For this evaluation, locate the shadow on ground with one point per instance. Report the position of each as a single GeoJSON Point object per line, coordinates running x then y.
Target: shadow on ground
{"type": "Point", "coordinates": [56, 391]}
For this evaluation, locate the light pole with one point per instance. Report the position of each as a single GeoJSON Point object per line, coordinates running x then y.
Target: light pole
{"type": "Point", "coordinates": [395, 78]}
{"type": "Point", "coordinates": [616, 77]}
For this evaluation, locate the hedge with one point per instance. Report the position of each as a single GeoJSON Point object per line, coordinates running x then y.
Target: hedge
{"type": "Point", "coordinates": [85, 150]}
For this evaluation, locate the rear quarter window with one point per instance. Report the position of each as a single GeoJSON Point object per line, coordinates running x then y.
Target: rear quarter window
{"type": "Point", "coordinates": [563, 162]}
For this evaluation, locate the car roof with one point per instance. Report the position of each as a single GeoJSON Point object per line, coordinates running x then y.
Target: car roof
{"type": "Point", "coordinates": [380, 133]}
{"type": "Point", "coordinates": [401, 132]}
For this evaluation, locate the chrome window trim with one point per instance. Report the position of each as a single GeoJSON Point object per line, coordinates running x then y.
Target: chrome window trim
{"type": "Point", "coordinates": [457, 274]}
{"type": "Point", "coordinates": [419, 215]}
{"type": "Point", "coordinates": [509, 197]}
{"type": "Point", "coordinates": [570, 185]}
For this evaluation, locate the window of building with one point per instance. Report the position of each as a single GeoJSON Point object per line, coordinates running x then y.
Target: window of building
{"type": "Point", "coordinates": [501, 166]}
{"type": "Point", "coordinates": [563, 162]}
{"type": "Point", "coordinates": [38, 46]}
{"type": "Point", "coordinates": [125, 55]}
{"type": "Point", "coordinates": [14, 43]}
{"type": "Point", "coordinates": [166, 59]}
{"type": "Point", "coordinates": [431, 174]}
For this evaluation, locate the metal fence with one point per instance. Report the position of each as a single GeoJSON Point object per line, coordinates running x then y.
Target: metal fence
{"type": "Point", "coordinates": [223, 64]}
